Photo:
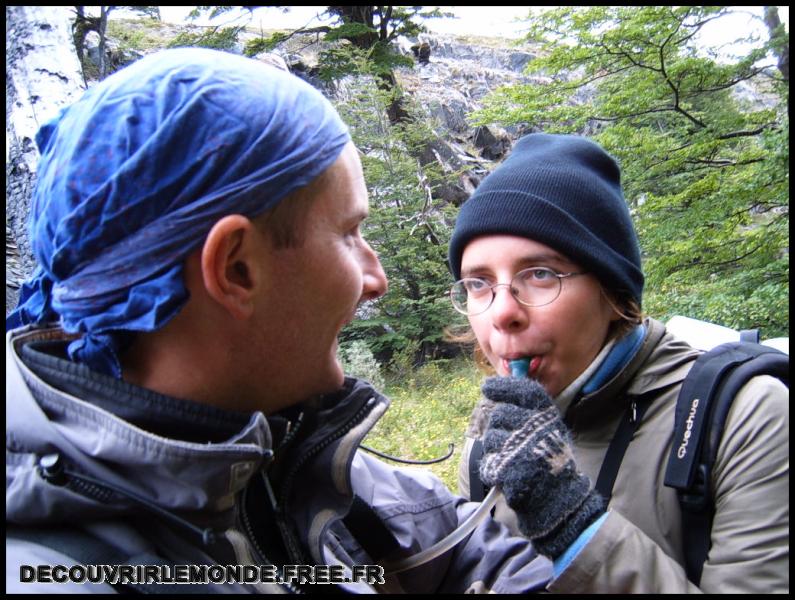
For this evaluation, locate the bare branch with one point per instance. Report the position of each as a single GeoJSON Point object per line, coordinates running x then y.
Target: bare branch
{"type": "Point", "coordinates": [636, 114]}
{"type": "Point", "coordinates": [736, 134]}
{"type": "Point", "coordinates": [719, 164]}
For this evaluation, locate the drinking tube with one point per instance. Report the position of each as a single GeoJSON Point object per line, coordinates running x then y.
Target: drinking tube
{"type": "Point", "coordinates": [519, 368]}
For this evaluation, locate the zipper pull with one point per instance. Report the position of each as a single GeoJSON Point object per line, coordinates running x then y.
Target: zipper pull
{"type": "Point", "coordinates": [51, 469]}
{"type": "Point", "coordinates": [634, 407]}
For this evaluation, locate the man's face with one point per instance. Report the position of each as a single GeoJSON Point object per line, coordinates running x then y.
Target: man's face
{"type": "Point", "coordinates": [311, 291]}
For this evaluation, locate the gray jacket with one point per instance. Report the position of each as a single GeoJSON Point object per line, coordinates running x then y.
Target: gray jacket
{"type": "Point", "coordinates": [639, 546]}
{"type": "Point", "coordinates": [165, 469]}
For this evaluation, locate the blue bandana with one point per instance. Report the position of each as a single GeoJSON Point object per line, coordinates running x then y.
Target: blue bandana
{"type": "Point", "coordinates": [135, 174]}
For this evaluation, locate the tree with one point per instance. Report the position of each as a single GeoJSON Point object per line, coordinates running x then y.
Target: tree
{"type": "Point", "coordinates": [407, 227]}
{"type": "Point", "coordinates": [779, 40]}
{"type": "Point", "coordinates": [705, 171]}
{"type": "Point", "coordinates": [215, 36]}
{"type": "Point", "coordinates": [37, 87]}
{"type": "Point", "coordinates": [369, 28]}
{"type": "Point", "coordinates": [83, 24]}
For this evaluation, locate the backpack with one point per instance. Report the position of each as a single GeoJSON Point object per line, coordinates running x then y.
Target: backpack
{"type": "Point", "coordinates": [703, 403]}
{"type": "Point", "coordinates": [720, 375]}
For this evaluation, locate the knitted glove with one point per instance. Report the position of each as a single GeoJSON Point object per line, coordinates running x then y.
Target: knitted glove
{"type": "Point", "coordinates": [527, 452]}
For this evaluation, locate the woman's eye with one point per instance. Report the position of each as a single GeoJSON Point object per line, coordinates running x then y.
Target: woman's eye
{"type": "Point", "coordinates": [535, 276]}
{"type": "Point", "coordinates": [541, 273]}
{"type": "Point", "coordinates": [475, 285]}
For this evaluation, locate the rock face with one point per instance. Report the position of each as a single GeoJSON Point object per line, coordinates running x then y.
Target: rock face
{"type": "Point", "coordinates": [450, 86]}
{"type": "Point", "coordinates": [449, 79]}
{"type": "Point", "coordinates": [42, 75]}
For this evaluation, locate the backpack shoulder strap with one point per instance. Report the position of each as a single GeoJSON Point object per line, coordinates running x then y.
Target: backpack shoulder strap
{"type": "Point", "coordinates": [477, 489]}
{"type": "Point", "coordinates": [614, 456]}
{"type": "Point", "coordinates": [703, 404]}
{"type": "Point", "coordinates": [719, 373]}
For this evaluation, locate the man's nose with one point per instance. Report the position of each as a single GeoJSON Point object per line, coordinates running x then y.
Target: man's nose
{"type": "Point", "coordinates": [374, 283]}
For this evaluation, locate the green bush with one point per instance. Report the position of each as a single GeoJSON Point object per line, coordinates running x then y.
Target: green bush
{"type": "Point", "coordinates": [428, 412]}
{"type": "Point", "coordinates": [358, 361]}
{"type": "Point", "coordinates": [137, 34]}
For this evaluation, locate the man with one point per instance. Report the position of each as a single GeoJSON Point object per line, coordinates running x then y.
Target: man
{"type": "Point", "coordinates": [173, 392]}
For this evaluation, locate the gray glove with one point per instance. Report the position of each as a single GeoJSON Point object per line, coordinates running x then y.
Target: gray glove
{"type": "Point", "coordinates": [527, 452]}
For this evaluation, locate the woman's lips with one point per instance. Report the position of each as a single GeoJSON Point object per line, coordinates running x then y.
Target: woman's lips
{"type": "Point", "coordinates": [532, 369]}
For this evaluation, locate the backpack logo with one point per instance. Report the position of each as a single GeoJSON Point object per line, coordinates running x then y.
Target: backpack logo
{"type": "Point", "coordinates": [682, 451]}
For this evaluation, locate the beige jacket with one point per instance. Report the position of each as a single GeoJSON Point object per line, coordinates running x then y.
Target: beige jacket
{"type": "Point", "coordinates": [638, 548]}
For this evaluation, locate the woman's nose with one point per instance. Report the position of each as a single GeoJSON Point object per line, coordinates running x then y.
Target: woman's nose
{"type": "Point", "coordinates": [507, 313]}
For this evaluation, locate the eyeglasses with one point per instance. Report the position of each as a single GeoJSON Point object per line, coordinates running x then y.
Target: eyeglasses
{"type": "Point", "coordinates": [535, 286]}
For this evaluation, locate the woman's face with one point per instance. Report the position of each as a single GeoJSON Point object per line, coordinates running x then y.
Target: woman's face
{"type": "Point", "coordinates": [560, 338]}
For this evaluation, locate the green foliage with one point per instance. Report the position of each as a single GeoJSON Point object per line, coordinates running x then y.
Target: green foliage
{"type": "Point", "coordinates": [341, 60]}
{"type": "Point", "coordinates": [358, 361]}
{"type": "Point", "coordinates": [219, 38]}
{"type": "Point", "coordinates": [264, 44]}
{"type": "Point", "coordinates": [392, 21]}
{"type": "Point", "coordinates": [368, 28]}
{"type": "Point", "coordinates": [349, 30]}
{"type": "Point", "coordinates": [407, 227]}
{"type": "Point", "coordinates": [429, 411]}
{"type": "Point", "coordinates": [706, 176]}
{"type": "Point", "coordinates": [131, 34]}
{"type": "Point", "coordinates": [210, 11]}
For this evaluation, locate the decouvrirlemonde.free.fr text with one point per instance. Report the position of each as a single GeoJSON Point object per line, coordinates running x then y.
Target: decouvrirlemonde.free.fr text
{"type": "Point", "coordinates": [201, 574]}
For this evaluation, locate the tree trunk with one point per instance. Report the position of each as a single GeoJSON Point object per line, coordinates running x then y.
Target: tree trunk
{"type": "Point", "coordinates": [103, 25]}
{"type": "Point", "coordinates": [43, 74]}
{"type": "Point", "coordinates": [779, 36]}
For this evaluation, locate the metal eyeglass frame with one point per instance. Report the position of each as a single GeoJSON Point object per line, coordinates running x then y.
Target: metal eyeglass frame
{"type": "Point", "coordinates": [560, 276]}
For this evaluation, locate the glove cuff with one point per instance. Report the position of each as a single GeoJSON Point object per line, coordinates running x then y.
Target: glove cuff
{"type": "Point", "coordinates": [558, 540]}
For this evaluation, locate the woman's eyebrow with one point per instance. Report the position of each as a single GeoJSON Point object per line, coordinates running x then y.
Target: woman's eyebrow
{"type": "Point", "coordinates": [544, 257]}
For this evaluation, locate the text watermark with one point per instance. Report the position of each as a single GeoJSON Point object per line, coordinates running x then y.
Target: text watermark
{"type": "Point", "coordinates": [201, 574]}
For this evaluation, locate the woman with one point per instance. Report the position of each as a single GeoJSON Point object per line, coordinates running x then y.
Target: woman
{"type": "Point", "coordinates": [548, 270]}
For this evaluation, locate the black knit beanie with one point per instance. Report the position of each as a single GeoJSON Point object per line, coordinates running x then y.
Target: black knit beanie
{"type": "Point", "coordinates": [563, 191]}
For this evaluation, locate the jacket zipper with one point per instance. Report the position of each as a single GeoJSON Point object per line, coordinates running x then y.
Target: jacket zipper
{"type": "Point", "coordinates": [52, 470]}
{"type": "Point", "coordinates": [291, 544]}
{"type": "Point", "coordinates": [259, 555]}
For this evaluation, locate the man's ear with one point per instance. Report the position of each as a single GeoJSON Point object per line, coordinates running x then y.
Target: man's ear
{"type": "Point", "coordinates": [227, 264]}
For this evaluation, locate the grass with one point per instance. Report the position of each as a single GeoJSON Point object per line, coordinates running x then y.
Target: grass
{"type": "Point", "coordinates": [428, 412]}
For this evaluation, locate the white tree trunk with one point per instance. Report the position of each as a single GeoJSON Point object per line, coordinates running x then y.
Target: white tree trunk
{"type": "Point", "coordinates": [43, 75]}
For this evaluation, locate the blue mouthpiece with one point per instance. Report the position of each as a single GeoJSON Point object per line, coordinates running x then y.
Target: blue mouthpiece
{"type": "Point", "coordinates": [519, 367]}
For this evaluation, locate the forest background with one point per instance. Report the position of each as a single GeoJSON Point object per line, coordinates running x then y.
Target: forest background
{"type": "Point", "coordinates": [701, 132]}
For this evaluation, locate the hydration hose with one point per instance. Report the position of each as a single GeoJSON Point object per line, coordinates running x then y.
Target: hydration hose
{"type": "Point", "coordinates": [451, 540]}
{"type": "Point", "coordinates": [450, 450]}
{"type": "Point", "coordinates": [519, 368]}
